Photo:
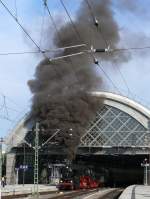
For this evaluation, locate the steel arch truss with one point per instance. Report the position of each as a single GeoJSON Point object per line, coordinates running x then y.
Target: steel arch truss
{"type": "Point", "coordinates": [113, 127]}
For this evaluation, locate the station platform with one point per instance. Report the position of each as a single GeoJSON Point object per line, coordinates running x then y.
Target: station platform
{"type": "Point", "coordinates": [136, 192]}
{"type": "Point", "coordinates": [26, 189]}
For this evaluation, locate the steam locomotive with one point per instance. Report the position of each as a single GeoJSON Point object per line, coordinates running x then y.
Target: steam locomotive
{"type": "Point", "coordinates": [78, 176]}
{"type": "Point", "coordinates": [84, 182]}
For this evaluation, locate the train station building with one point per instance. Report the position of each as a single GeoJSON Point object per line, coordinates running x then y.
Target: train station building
{"type": "Point", "coordinates": [115, 144]}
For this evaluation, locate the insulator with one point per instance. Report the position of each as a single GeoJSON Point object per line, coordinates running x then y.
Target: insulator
{"type": "Point", "coordinates": [45, 2]}
{"type": "Point", "coordinates": [93, 50]}
{"type": "Point", "coordinates": [96, 61]}
{"type": "Point", "coordinates": [96, 23]}
{"type": "Point", "coordinates": [108, 49]}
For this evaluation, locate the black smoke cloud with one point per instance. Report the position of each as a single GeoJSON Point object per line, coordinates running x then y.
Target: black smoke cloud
{"type": "Point", "coordinates": [61, 89]}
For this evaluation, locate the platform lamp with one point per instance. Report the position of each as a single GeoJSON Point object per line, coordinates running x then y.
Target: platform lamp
{"type": "Point", "coordinates": [145, 164]}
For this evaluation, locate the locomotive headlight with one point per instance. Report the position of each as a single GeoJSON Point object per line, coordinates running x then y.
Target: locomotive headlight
{"type": "Point", "coordinates": [61, 181]}
{"type": "Point", "coordinates": [71, 181]}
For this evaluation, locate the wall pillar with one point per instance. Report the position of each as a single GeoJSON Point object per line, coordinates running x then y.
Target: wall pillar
{"type": "Point", "coordinates": [10, 168]}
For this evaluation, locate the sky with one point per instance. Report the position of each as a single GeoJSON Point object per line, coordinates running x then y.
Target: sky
{"type": "Point", "coordinates": [16, 70]}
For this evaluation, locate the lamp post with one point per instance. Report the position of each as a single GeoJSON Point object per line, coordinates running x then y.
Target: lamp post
{"type": "Point", "coordinates": [145, 164]}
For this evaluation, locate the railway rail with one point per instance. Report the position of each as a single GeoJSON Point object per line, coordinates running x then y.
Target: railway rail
{"type": "Point", "coordinates": [91, 194]}
{"type": "Point", "coordinates": [53, 194]}
{"type": "Point", "coordinates": [75, 194]}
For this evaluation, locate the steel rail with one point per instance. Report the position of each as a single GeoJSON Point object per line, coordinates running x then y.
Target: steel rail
{"type": "Point", "coordinates": [75, 194]}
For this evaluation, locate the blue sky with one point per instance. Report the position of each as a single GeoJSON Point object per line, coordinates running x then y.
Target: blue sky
{"type": "Point", "coordinates": [17, 70]}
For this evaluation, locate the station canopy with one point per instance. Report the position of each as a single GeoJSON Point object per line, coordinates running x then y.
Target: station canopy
{"type": "Point", "coordinates": [120, 124]}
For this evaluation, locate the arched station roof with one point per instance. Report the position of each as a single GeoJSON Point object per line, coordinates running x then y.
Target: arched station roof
{"type": "Point", "coordinates": [127, 105]}
{"type": "Point", "coordinates": [121, 122]}
{"type": "Point", "coordinates": [124, 110]}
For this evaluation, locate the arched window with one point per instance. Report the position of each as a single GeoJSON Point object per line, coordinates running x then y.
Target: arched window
{"type": "Point", "coordinates": [113, 127]}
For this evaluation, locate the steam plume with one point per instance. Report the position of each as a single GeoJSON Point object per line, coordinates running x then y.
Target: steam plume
{"type": "Point", "coordinates": [61, 98]}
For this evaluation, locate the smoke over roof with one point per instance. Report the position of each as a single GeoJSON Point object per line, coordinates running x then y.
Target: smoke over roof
{"type": "Point", "coordinates": [60, 88]}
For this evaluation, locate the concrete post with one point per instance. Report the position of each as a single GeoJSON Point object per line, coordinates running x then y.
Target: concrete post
{"type": "Point", "coordinates": [10, 168]}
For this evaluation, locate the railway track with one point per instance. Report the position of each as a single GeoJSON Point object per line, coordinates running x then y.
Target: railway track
{"type": "Point", "coordinates": [75, 194]}
{"type": "Point", "coordinates": [90, 194]}
{"type": "Point", "coordinates": [52, 194]}
{"type": "Point", "coordinates": [79, 194]}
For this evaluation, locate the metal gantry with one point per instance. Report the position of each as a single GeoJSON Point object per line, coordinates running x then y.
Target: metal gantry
{"type": "Point", "coordinates": [36, 161]}
{"type": "Point", "coordinates": [36, 148]}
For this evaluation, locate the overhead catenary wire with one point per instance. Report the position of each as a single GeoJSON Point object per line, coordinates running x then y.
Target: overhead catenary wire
{"type": "Point", "coordinates": [96, 61]}
{"type": "Point", "coordinates": [4, 107]}
{"type": "Point", "coordinates": [24, 30]}
{"type": "Point", "coordinates": [45, 51]}
{"type": "Point", "coordinates": [51, 18]}
{"type": "Point", "coordinates": [21, 26]}
{"type": "Point", "coordinates": [90, 9]}
{"type": "Point", "coordinates": [60, 38]}
{"type": "Point", "coordinates": [58, 33]}
{"type": "Point", "coordinates": [119, 50]}
{"type": "Point", "coordinates": [16, 9]}
{"type": "Point", "coordinates": [95, 20]}
{"type": "Point", "coordinates": [97, 25]}
{"type": "Point", "coordinates": [79, 37]}
{"type": "Point", "coordinates": [19, 53]}
{"type": "Point", "coordinates": [70, 18]}
{"type": "Point", "coordinates": [75, 28]}
{"type": "Point", "coordinates": [114, 50]}
{"type": "Point", "coordinates": [130, 48]}
{"type": "Point", "coordinates": [4, 104]}
{"type": "Point", "coordinates": [8, 99]}
{"type": "Point", "coordinates": [40, 51]}
{"type": "Point", "coordinates": [53, 24]}
{"type": "Point", "coordinates": [77, 32]}
{"type": "Point", "coordinates": [55, 27]}
{"type": "Point", "coordinates": [42, 27]}
{"type": "Point", "coordinates": [90, 52]}
{"type": "Point", "coordinates": [108, 77]}
{"type": "Point", "coordinates": [124, 81]}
